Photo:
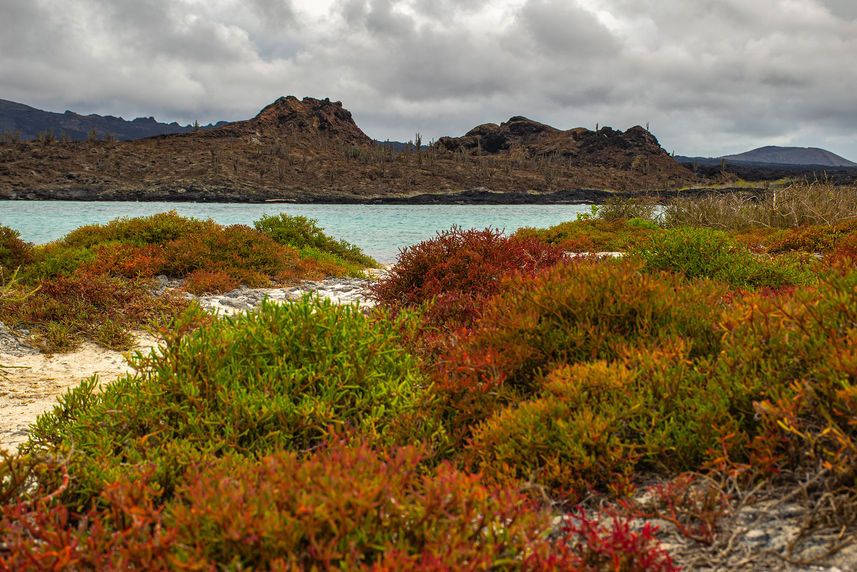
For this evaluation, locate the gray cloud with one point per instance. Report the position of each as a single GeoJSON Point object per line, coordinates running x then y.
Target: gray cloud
{"type": "Point", "coordinates": [711, 77]}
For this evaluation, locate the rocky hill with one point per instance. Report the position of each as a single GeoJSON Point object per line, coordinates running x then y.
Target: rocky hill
{"type": "Point", "coordinates": [634, 150]}
{"type": "Point", "coordinates": [311, 150]}
{"type": "Point", "coordinates": [28, 123]}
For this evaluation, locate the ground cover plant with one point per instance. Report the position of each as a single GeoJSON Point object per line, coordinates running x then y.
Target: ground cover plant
{"type": "Point", "coordinates": [96, 282]}
{"type": "Point", "coordinates": [499, 384]}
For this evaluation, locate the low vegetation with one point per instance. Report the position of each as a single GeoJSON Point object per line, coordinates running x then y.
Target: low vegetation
{"type": "Point", "coordinates": [499, 383]}
{"type": "Point", "coordinates": [97, 281]}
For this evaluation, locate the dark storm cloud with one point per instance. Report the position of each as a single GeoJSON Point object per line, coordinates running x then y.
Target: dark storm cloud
{"type": "Point", "coordinates": [711, 76]}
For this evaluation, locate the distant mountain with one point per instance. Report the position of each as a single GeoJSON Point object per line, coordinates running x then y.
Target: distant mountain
{"type": "Point", "coordinates": [771, 155]}
{"type": "Point", "coordinates": [792, 156]}
{"type": "Point", "coordinates": [25, 122]}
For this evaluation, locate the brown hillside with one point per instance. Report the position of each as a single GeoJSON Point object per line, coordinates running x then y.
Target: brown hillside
{"type": "Point", "coordinates": [312, 150]}
{"type": "Point", "coordinates": [634, 150]}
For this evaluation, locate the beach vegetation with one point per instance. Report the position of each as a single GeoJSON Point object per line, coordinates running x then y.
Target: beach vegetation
{"type": "Point", "coordinates": [487, 414]}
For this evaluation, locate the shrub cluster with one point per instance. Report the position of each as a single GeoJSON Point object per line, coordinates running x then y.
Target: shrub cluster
{"type": "Point", "coordinates": [280, 378]}
{"type": "Point", "coordinates": [702, 252]}
{"type": "Point", "coordinates": [455, 272]}
{"type": "Point", "coordinates": [313, 436]}
{"type": "Point", "coordinates": [304, 234]}
{"type": "Point", "coordinates": [588, 234]}
{"type": "Point", "coordinates": [93, 283]}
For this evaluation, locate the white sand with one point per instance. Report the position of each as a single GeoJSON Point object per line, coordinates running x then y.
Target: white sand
{"type": "Point", "coordinates": [32, 386]}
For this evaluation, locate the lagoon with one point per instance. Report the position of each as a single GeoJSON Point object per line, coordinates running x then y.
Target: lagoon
{"type": "Point", "coordinates": [380, 230]}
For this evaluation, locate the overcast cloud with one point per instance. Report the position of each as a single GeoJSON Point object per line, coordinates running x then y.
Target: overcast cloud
{"type": "Point", "coordinates": [710, 77]}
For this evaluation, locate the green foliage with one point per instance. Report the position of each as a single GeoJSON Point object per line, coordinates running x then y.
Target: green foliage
{"type": "Point", "coordinates": [596, 424]}
{"type": "Point", "coordinates": [700, 252]}
{"type": "Point", "coordinates": [14, 252]}
{"type": "Point", "coordinates": [628, 208]}
{"type": "Point", "coordinates": [572, 313]}
{"type": "Point", "coordinates": [282, 377]}
{"type": "Point", "coordinates": [594, 234]}
{"type": "Point", "coordinates": [301, 232]}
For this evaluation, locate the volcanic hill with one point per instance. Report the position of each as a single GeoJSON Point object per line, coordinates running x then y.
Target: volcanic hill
{"type": "Point", "coordinates": [311, 150]}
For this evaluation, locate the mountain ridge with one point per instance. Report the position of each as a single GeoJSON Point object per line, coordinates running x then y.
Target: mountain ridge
{"type": "Point", "coordinates": [311, 150]}
{"type": "Point", "coordinates": [27, 123]}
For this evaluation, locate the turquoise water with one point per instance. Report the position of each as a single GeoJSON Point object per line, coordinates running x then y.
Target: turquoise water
{"type": "Point", "coordinates": [380, 230]}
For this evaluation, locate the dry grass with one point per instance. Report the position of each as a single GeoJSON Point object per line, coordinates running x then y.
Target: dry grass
{"type": "Point", "coordinates": [817, 202]}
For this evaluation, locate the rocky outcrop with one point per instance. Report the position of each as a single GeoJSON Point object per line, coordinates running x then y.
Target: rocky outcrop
{"type": "Point", "coordinates": [635, 149]}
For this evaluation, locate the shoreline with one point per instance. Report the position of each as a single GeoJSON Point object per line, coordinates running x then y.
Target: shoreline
{"type": "Point", "coordinates": [478, 196]}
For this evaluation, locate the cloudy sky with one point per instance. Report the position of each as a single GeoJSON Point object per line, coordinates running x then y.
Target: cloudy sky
{"type": "Point", "coordinates": [710, 77]}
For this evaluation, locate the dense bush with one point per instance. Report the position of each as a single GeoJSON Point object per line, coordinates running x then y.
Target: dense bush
{"type": "Point", "coordinates": [815, 238]}
{"type": "Point", "coordinates": [795, 353]}
{"type": "Point", "coordinates": [700, 252]}
{"type": "Point", "coordinates": [589, 234]}
{"type": "Point", "coordinates": [456, 271]}
{"type": "Point", "coordinates": [304, 233]}
{"type": "Point", "coordinates": [282, 377]}
{"type": "Point", "coordinates": [216, 258]}
{"type": "Point", "coordinates": [340, 507]}
{"type": "Point", "coordinates": [572, 313]}
{"type": "Point", "coordinates": [14, 252]}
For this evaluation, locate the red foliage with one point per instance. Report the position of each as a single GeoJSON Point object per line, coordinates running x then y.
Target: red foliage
{"type": "Point", "coordinates": [457, 270]}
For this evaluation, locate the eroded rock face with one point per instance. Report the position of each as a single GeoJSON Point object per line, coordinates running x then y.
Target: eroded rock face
{"type": "Point", "coordinates": [635, 150]}
{"type": "Point", "coordinates": [307, 118]}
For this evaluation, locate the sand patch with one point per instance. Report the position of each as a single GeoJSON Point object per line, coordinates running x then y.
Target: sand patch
{"type": "Point", "coordinates": [35, 381]}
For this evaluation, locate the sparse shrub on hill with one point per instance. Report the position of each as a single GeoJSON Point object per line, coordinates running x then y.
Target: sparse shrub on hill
{"type": "Point", "coordinates": [282, 377]}
{"type": "Point", "coordinates": [455, 272]}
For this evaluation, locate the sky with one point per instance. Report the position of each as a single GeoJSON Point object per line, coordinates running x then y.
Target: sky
{"type": "Point", "coordinates": [709, 77]}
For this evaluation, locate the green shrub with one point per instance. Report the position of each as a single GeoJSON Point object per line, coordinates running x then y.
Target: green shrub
{"type": "Point", "coordinates": [594, 234]}
{"type": "Point", "coordinates": [301, 232]}
{"type": "Point", "coordinates": [571, 313]}
{"type": "Point", "coordinates": [139, 231]}
{"type": "Point", "coordinates": [795, 354]}
{"type": "Point", "coordinates": [282, 377]}
{"type": "Point", "coordinates": [595, 425]}
{"type": "Point", "coordinates": [700, 252]}
{"type": "Point", "coordinates": [14, 252]}
{"type": "Point", "coordinates": [643, 208]}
